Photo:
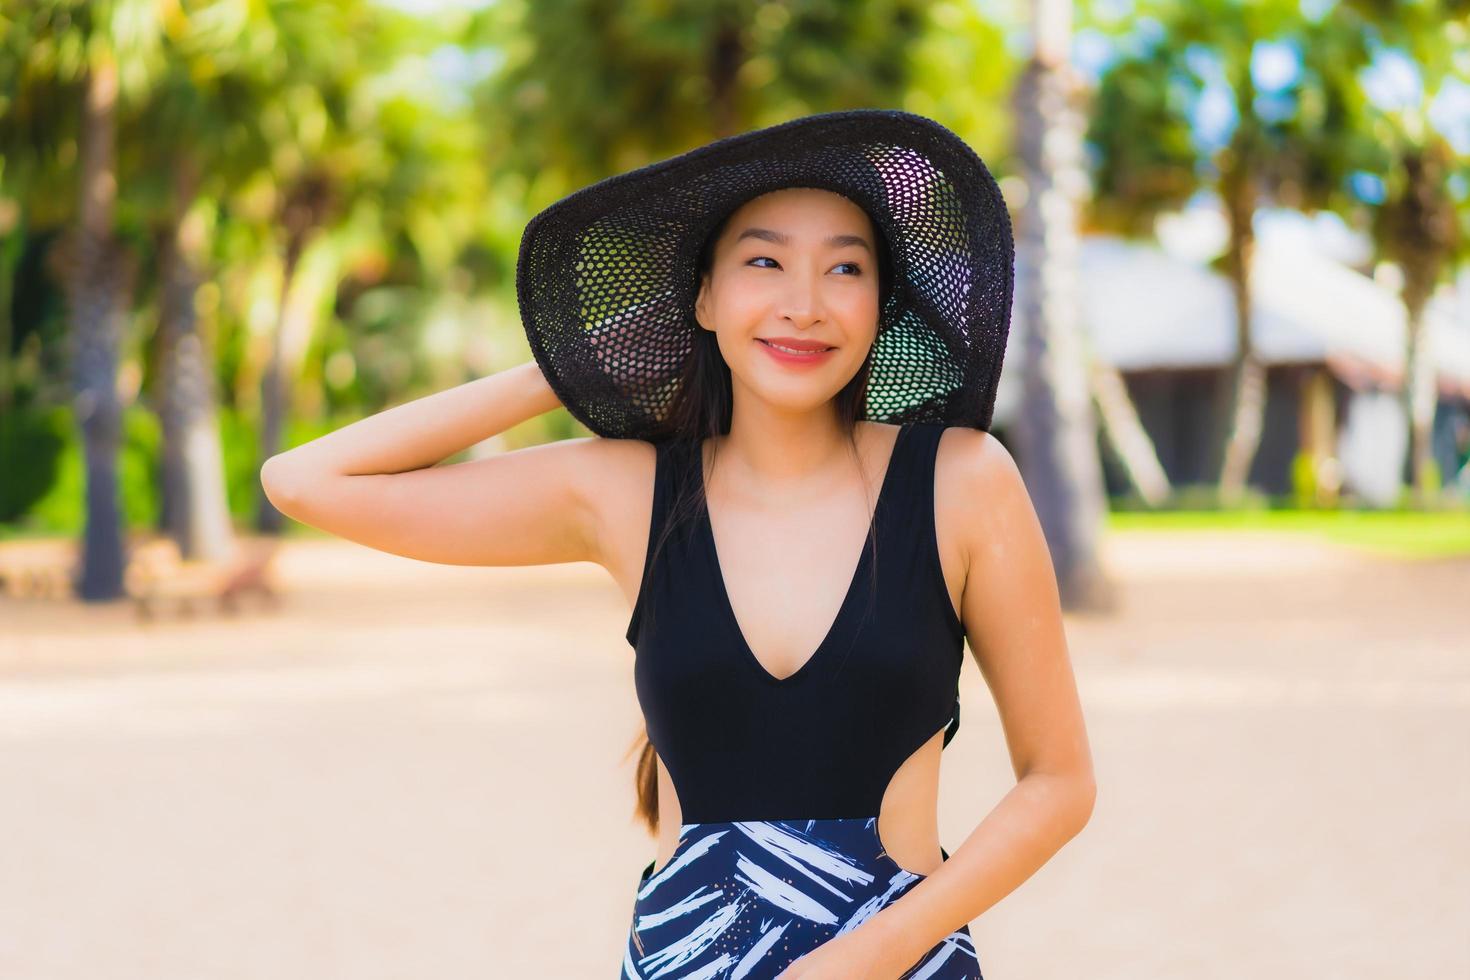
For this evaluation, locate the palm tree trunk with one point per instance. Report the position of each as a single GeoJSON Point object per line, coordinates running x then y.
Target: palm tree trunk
{"type": "Point", "coordinates": [196, 511]}
{"type": "Point", "coordinates": [1056, 431]}
{"type": "Point", "coordinates": [99, 275]}
{"type": "Point", "coordinates": [304, 211]}
{"type": "Point", "coordinates": [1422, 226]}
{"type": "Point", "coordinates": [1248, 403]}
{"type": "Point", "coordinates": [275, 393]}
{"type": "Point", "coordinates": [1420, 399]}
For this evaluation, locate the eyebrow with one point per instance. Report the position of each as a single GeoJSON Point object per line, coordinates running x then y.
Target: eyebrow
{"type": "Point", "coordinates": [781, 238]}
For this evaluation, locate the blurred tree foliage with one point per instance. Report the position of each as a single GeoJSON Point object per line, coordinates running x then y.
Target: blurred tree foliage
{"type": "Point", "coordinates": [1284, 81]}
{"type": "Point", "coordinates": [329, 196]}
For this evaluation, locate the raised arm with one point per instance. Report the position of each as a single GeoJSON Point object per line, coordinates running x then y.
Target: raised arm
{"type": "Point", "coordinates": [377, 482]}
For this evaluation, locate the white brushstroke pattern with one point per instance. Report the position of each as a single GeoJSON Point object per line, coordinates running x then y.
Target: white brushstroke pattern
{"type": "Point", "coordinates": [690, 946]}
{"type": "Point", "coordinates": [758, 951]}
{"type": "Point", "coordinates": [800, 852]}
{"type": "Point", "coordinates": [630, 972]}
{"type": "Point", "coordinates": [683, 906]}
{"type": "Point", "coordinates": [870, 908]}
{"type": "Point", "coordinates": [932, 967]}
{"type": "Point", "coordinates": [833, 848]}
{"type": "Point", "coordinates": [714, 969]}
{"type": "Point", "coordinates": [781, 894]}
{"type": "Point", "coordinates": [691, 853]}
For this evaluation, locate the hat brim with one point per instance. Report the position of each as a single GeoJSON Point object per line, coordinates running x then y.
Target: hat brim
{"type": "Point", "coordinates": [606, 277]}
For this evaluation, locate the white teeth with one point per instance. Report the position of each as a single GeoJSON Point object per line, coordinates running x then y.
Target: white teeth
{"type": "Point", "coordinates": [790, 350]}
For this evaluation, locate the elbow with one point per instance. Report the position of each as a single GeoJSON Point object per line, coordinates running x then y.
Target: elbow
{"type": "Point", "coordinates": [1086, 801]}
{"type": "Point", "coordinates": [1072, 797]}
{"type": "Point", "coordinates": [1067, 798]}
{"type": "Point", "coordinates": [281, 483]}
{"type": "Point", "coordinates": [1077, 799]}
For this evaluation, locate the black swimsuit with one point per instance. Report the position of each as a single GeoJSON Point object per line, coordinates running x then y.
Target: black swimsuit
{"type": "Point", "coordinates": [780, 780]}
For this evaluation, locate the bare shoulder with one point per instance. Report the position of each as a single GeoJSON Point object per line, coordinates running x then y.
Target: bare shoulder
{"type": "Point", "coordinates": [980, 497]}
{"type": "Point", "coordinates": [974, 458]}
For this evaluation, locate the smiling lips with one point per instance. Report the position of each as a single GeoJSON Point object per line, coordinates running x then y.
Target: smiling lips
{"type": "Point", "coordinates": [793, 347]}
{"type": "Point", "coordinates": [793, 353]}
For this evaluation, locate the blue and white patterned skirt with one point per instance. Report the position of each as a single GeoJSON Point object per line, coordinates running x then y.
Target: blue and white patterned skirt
{"type": "Point", "coordinates": [744, 900]}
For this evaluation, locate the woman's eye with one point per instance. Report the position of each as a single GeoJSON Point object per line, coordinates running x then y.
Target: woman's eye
{"type": "Point", "coordinates": [857, 269]}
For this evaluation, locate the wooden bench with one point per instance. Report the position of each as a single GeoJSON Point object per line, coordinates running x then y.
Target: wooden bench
{"type": "Point", "coordinates": [156, 574]}
{"type": "Point", "coordinates": [40, 568]}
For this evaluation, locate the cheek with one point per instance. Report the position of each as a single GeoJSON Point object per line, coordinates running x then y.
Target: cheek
{"type": "Point", "coordinates": [859, 302]}
{"type": "Point", "coordinates": [741, 306]}
{"type": "Point", "coordinates": [859, 313]}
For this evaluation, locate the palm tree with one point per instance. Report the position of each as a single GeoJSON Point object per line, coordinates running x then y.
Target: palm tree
{"type": "Point", "coordinates": [99, 279]}
{"type": "Point", "coordinates": [104, 55]}
{"type": "Point", "coordinates": [1295, 137]}
{"type": "Point", "coordinates": [1420, 223]}
{"type": "Point", "coordinates": [183, 133]}
{"type": "Point", "coordinates": [196, 511]}
{"type": "Point", "coordinates": [1420, 229]}
{"type": "Point", "coordinates": [1056, 428]}
{"type": "Point", "coordinates": [327, 160]}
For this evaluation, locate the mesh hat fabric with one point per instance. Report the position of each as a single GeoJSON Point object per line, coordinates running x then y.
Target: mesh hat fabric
{"type": "Point", "coordinates": [606, 277]}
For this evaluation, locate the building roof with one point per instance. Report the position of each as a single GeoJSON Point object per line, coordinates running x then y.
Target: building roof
{"type": "Point", "coordinates": [1144, 307]}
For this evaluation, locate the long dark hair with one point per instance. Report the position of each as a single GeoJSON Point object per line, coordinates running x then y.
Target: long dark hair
{"type": "Point", "coordinates": [701, 408]}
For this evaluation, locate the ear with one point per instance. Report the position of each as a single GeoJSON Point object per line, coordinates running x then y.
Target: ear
{"type": "Point", "coordinates": [700, 302]}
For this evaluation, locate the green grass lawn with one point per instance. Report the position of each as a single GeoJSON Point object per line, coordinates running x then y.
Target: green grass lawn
{"type": "Point", "coordinates": [1403, 534]}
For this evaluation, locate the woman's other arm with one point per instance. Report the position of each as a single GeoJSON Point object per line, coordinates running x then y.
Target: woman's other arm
{"type": "Point", "coordinates": [1013, 620]}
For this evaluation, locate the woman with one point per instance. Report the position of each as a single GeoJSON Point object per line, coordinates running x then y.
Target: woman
{"type": "Point", "coordinates": [733, 323]}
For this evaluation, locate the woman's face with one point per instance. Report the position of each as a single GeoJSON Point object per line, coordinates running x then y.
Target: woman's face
{"type": "Point", "coordinates": [795, 267]}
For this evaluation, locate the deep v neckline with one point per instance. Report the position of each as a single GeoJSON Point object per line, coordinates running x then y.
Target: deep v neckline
{"type": "Point", "coordinates": [843, 609]}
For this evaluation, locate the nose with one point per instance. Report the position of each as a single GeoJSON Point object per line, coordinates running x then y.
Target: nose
{"type": "Point", "coordinates": [802, 300]}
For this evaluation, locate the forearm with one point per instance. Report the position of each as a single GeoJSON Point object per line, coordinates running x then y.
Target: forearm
{"type": "Point", "coordinates": [427, 430]}
{"type": "Point", "coordinates": [1029, 825]}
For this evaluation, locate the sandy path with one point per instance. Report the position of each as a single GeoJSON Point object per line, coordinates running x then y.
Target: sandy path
{"type": "Point", "coordinates": [419, 771]}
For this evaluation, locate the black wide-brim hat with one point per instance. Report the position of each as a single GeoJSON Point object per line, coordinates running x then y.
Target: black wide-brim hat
{"type": "Point", "coordinates": [606, 277]}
